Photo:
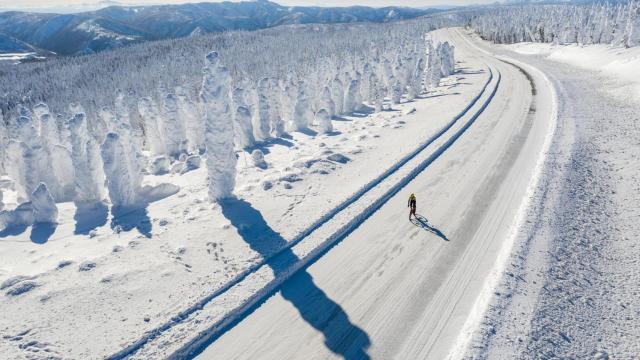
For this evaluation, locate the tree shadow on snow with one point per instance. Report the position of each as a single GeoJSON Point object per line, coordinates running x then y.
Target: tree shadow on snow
{"type": "Point", "coordinates": [41, 232]}
{"type": "Point", "coordinates": [127, 219]}
{"type": "Point", "coordinates": [421, 221]}
{"type": "Point", "coordinates": [437, 95]}
{"type": "Point", "coordinates": [340, 118]}
{"type": "Point", "coordinates": [90, 216]}
{"type": "Point", "coordinates": [13, 230]}
{"type": "Point", "coordinates": [340, 335]}
{"type": "Point", "coordinates": [136, 217]}
{"type": "Point", "coordinates": [308, 132]}
{"type": "Point", "coordinates": [266, 144]}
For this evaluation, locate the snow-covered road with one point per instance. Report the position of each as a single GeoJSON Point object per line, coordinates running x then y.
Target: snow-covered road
{"type": "Point", "coordinates": [394, 288]}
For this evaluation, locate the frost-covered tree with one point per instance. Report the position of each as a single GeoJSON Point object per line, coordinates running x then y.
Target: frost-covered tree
{"type": "Point", "coordinates": [221, 159]}
{"type": "Point", "coordinates": [612, 23]}
{"type": "Point", "coordinates": [376, 93]}
{"type": "Point", "coordinates": [337, 94]}
{"type": "Point", "coordinates": [264, 109]}
{"type": "Point", "coordinates": [30, 162]}
{"type": "Point", "coordinates": [149, 112]}
{"type": "Point", "coordinates": [447, 61]}
{"type": "Point", "coordinates": [277, 120]}
{"type": "Point", "coordinates": [326, 102]}
{"type": "Point", "coordinates": [302, 115]}
{"type": "Point", "coordinates": [415, 82]}
{"type": "Point", "coordinates": [20, 168]}
{"type": "Point", "coordinates": [172, 128]}
{"type": "Point", "coordinates": [191, 119]}
{"type": "Point", "coordinates": [352, 98]}
{"type": "Point", "coordinates": [123, 185]}
{"type": "Point", "coordinates": [396, 91]}
{"type": "Point", "coordinates": [86, 161]}
{"type": "Point", "coordinates": [434, 68]}
{"type": "Point", "coordinates": [323, 119]}
{"type": "Point", "coordinates": [288, 78]}
{"type": "Point", "coordinates": [242, 121]}
{"type": "Point", "coordinates": [44, 207]}
{"type": "Point", "coordinates": [3, 143]}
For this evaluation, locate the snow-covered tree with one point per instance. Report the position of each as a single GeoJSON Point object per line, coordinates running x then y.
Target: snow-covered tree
{"type": "Point", "coordinates": [44, 207]}
{"type": "Point", "coordinates": [86, 161]}
{"type": "Point", "coordinates": [447, 61]}
{"type": "Point", "coordinates": [264, 109]}
{"type": "Point", "coordinates": [191, 119]}
{"type": "Point", "coordinates": [172, 128]}
{"type": "Point", "coordinates": [277, 121]}
{"type": "Point", "coordinates": [415, 82]}
{"type": "Point", "coordinates": [149, 112]}
{"type": "Point", "coordinates": [242, 120]}
{"type": "Point", "coordinates": [221, 158]}
{"type": "Point", "coordinates": [124, 186]}
{"type": "Point", "coordinates": [302, 115]}
{"type": "Point", "coordinates": [326, 102]}
{"type": "Point", "coordinates": [612, 23]}
{"type": "Point", "coordinates": [352, 98]}
{"type": "Point", "coordinates": [337, 94]}
{"type": "Point", "coordinates": [323, 119]}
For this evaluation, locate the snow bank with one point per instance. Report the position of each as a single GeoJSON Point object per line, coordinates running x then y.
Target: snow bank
{"type": "Point", "coordinates": [620, 64]}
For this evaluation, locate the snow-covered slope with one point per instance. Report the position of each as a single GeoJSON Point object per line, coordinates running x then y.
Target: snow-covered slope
{"type": "Point", "coordinates": [617, 64]}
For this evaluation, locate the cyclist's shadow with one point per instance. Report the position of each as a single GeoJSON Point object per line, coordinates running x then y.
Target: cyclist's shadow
{"type": "Point", "coordinates": [422, 222]}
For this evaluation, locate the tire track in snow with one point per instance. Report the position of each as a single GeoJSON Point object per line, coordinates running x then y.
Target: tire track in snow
{"type": "Point", "coordinates": [332, 240]}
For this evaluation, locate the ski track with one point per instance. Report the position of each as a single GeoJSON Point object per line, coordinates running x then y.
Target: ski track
{"type": "Point", "coordinates": [331, 240]}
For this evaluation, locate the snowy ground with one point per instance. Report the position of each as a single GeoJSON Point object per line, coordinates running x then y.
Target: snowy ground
{"type": "Point", "coordinates": [572, 284]}
{"type": "Point", "coordinates": [139, 280]}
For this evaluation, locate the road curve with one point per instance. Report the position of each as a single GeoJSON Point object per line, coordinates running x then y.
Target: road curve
{"type": "Point", "coordinates": [400, 289]}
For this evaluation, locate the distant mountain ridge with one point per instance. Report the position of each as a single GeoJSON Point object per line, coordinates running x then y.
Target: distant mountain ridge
{"type": "Point", "coordinates": [115, 26]}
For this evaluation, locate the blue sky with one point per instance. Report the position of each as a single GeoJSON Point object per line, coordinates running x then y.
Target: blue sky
{"type": "Point", "coordinates": [72, 5]}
